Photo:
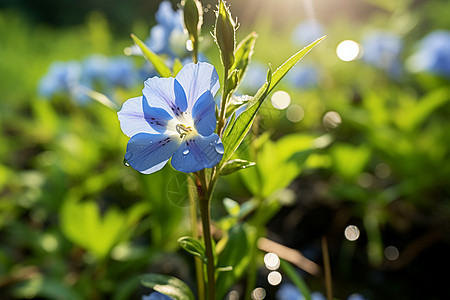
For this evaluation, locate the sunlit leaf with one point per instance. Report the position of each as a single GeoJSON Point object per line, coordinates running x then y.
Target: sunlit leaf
{"type": "Point", "coordinates": [235, 165]}
{"type": "Point", "coordinates": [157, 62]}
{"type": "Point", "coordinates": [193, 246]}
{"type": "Point", "coordinates": [238, 129]}
{"type": "Point", "coordinates": [168, 285]}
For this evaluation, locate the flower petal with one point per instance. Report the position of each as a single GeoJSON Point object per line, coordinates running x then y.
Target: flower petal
{"type": "Point", "coordinates": [160, 92]}
{"type": "Point", "coordinates": [148, 153]}
{"type": "Point", "coordinates": [197, 79]}
{"type": "Point", "coordinates": [180, 96]}
{"type": "Point", "coordinates": [204, 114]}
{"type": "Point", "coordinates": [198, 153]}
{"type": "Point", "coordinates": [155, 116]}
{"type": "Point", "coordinates": [132, 118]}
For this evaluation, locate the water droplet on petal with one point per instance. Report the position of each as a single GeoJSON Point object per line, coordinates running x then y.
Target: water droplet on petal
{"type": "Point", "coordinates": [186, 151]}
{"type": "Point", "coordinates": [219, 148]}
{"type": "Point", "coordinates": [150, 142]}
{"type": "Point", "coordinates": [125, 163]}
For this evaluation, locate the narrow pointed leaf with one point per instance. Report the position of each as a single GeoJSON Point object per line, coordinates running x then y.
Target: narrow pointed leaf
{"type": "Point", "coordinates": [168, 285]}
{"type": "Point", "coordinates": [153, 58]}
{"type": "Point", "coordinates": [291, 62]}
{"type": "Point", "coordinates": [243, 55]}
{"type": "Point", "coordinates": [238, 129]}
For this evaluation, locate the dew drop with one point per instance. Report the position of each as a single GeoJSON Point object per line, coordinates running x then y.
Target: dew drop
{"type": "Point", "coordinates": [185, 151]}
{"type": "Point", "coordinates": [125, 163]}
{"type": "Point", "coordinates": [219, 148]}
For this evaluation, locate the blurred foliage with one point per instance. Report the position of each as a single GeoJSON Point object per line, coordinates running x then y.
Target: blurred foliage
{"type": "Point", "coordinates": [77, 224]}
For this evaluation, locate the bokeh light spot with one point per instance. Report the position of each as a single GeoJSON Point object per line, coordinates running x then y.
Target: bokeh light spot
{"type": "Point", "coordinates": [189, 45]}
{"type": "Point", "coordinates": [272, 261]}
{"type": "Point", "coordinates": [331, 120]}
{"type": "Point", "coordinates": [280, 100]}
{"type": "Point", "coordinates": [348, 50]}
{"type": "Point", "coordinates": [382, 170]}
{"type": "Point", "coordinates": [351, 233]}
{"type": "Point", "coordinates": [391, 253]}
{"type": "Point", "coordinates": [274, 278]}
{"type": "Point", "coordinates": [258, 294]}
{"type": "Point", "coordinates": [295, 113]}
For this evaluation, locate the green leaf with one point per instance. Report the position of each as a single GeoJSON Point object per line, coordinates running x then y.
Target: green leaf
{"type": "Point", "coordinates": [231, 206]}
{"type": "Point", "coordinates": [177, 66]}
{"type": "Point", "coordinates": [238, 129]}
{"type": "Point", "coordinates": [291, 62]}
{"type": "Point", "coordinates": [296, 279]}
{"type": "Point", "coordinates": [243, 55]}
{"type": "Point", "coordinates": [235, 165]}
{"type": "Point", "coordinates": [193, 246]}
{"type": "Point", "coordinates": [242, 239]}
{"type": "Point", "coordinates": [157, 62]}
{"type": "Point", "coordinates": [168, 285]}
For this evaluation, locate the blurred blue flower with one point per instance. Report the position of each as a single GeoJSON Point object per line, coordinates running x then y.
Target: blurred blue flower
{"type": "Point", "coordinates": [62, 78]}
{"type": "Point", "coordinates": [254, 78]}
{"type": "Point", "coordinates": [433, 54]}
{"type": "Point", "coordinates": [288, 291]}
{"type": "Point", "coordinates": [120, 72]}
{"type": "Point", "coordinates": [156, 296]}
{"type": "Point", "coordinates": [307, 32]}
{"type": "Point", "coordinates": [168, 36]}
{"type": "Point", "coordinates": [175, 118]}
{"type": "Point", "coordinates": [304, 76]}
{"type": "Point", "coordinates": [382, 49]}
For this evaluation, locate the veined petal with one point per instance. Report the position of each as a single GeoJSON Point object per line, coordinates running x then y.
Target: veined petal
{"type": "Point", "coordinates": [204, 114]}
{"type": "Point", "coordinates": [155, 116]}
{"type": "Point", "coordinates": [197, 79]}
{"type": "Point", "coordinates": [198, 153]}
{"type": "Point", "coordinates": [132, 118]}
{"type": "Point", "coordinates": [160, 92]}
{"type": "Point", "coordinates": [180, 96]}
{"type": "Point", "coordinates": [148, 153]}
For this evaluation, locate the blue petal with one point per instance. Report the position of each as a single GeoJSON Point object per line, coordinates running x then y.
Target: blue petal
{"type": "Point", "coordinates": [156, 117]}
{"type": "Point", "coordinates": [148, 153]}
{"type": "Point", "coordinates": [132, 118]}
{"type": "Point", "coordinates": [160, 93]}
{"type": "Point", "coordinates": [204, 114]}
{"type": "Point", "coordinates": [197, 79]}
{"type": "Point", "coordinates": [180, 96]}
{"type": "Point", "coordinates": [198, 153]}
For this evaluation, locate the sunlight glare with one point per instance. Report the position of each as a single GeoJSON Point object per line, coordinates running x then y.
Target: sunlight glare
{"type": "Point", "coordinates": [348, 50]}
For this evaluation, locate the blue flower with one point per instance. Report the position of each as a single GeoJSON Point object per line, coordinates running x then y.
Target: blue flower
{"type": "Point", "coordinates": [175, 118]}
{"type": "Point", "coordinates": [433, 54]}
{"type": "Point", "coordinates": [288, 291]}
{"type": "Point", "coordinates": [156, 296]}
{"type": "Point", "coordinates": [304, 76]}
{"type": "Point", "coordinates": [307, 32]}
{"type": "Point", "coordinates": [62, 78]}
{"type": "Point", "coordinates": [168, 36]}
{"type": "Point", "coordinates": [382, 50]}
{"type": "Point", "coordinates": [254, 78]}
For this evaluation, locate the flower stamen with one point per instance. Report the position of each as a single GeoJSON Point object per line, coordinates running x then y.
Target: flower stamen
{"type": "Point", "coordinates": [183, 130]}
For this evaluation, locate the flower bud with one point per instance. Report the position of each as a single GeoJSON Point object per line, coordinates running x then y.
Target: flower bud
{"type": "Point", "coordinates": [193, 17]}
{"type": "Point", "coordinates": [224, 33]}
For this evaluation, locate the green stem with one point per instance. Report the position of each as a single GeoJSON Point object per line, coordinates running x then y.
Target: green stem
{"type": "Point", "coordinates": [206, 224]}
{"type": "Point", "coordinates": [198, 262]}
{"type": "Point", "coordinates": [223, 105]}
